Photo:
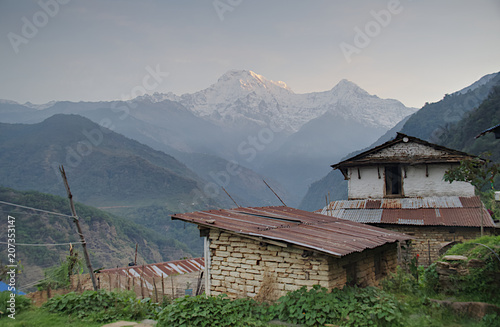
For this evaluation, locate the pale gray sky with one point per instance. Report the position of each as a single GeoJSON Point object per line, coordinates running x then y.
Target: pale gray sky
{"type": "Point", "coordinates": [413, 51]}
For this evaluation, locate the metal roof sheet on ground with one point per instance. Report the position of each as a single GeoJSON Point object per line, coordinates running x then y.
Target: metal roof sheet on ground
{"type": "Point", "coordinates": [160, 270]}
{"type": "Point", "coordinates": [287, 225]}
{"type": "Point", "coordinates": [430, 211]}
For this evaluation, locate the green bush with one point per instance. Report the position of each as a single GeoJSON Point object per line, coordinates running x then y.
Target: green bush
{"type": "Point", "coordinates": [431, 279]}
{"type": "Point", "coordinates": [480, 283]}
{"type": "Point", "coordinates": [344, 307]}
{"type": "Point", "coordinates": [103, 306]}
{"type": "Point", "coordinates": [400, 282]}
{"type": "Point", "coordinates": [212, 311]}
{"type": "Point", "coordinates": [22, 303]}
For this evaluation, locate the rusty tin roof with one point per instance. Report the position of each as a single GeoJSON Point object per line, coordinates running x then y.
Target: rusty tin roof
{"type": "Point", "coordinates": [429, 211]}
{"type": "Point", "coordinates": [160, 270]}
{"type": "Point", "coordinates": [334, 236]}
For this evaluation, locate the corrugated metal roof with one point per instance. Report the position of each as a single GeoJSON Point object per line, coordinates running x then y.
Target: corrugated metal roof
{"type": "Point", "coordinates": [314, 231]}
{"type": "Point", "coordinates": [431, 211]}
{"type": "Point", "coordinates": [160, 270]}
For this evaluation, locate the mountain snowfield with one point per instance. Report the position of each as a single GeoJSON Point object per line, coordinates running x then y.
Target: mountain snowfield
{"type": "Point", "coordinates": [244, 95]}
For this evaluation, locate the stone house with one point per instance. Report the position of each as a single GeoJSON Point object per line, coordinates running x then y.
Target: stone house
{"type": "Point", "coordinates": [266, 252]}
{"type": "Point", "coordinates": [399, 185]}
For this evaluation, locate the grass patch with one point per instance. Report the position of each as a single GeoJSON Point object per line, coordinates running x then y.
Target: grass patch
{"type": "Point", "coordinates": [37, 317]}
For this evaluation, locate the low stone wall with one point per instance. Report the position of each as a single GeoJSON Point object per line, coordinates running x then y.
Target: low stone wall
{"type": "Point", "coordinates": [431, 239]}
{"type": "Point", "coordinates": [242, 267]}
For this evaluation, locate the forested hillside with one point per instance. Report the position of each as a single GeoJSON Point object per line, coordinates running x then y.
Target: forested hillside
{"type": "Point", "coordinates": [111, 239]}
{"type": "Point", "coordinates": [462, 135]}
{"type": "Point", "coordinates": [104, 168]}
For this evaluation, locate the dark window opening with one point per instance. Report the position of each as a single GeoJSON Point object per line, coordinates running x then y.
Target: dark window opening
{"type": "Point", "coordinates": [393, 183]}
{"type": "Point", "coordinates": [378, 266]}
{"type": "Point", "coordinates": [351, 276]}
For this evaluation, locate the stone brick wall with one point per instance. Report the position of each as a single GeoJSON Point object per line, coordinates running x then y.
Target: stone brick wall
{"type": "Point", "coordinates": [433, 238]}
{"type": "Point", "coordinates": [243, 267]}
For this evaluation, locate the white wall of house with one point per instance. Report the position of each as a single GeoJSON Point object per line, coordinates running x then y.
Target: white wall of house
{"type": "Point", "coordinates": [415, 184]}
{"type": "Point", "coordinates": [369, 186]}
{"type": "Point", "coordinates": [418, 184]}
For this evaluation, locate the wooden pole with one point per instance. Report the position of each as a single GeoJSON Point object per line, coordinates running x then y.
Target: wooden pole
{"type": "Point", "coordinates": [75, 219]}
{"type": "Point", "coordinates": [162, 288]}
{"type": "Point", "coordinates": [135, 261]}
{"type": "Point", "coordinates": [482, 216]}
{"type": "Point", "coordinates": [230, 197]}
{"type": "Point", "coordinates": [142, 285]}
{"type": "Point", "coordinates": [275, 193]}
{"type": "Point", "coordinates": [172, 282]}
{"type": "Point", "coordinates": [429, 249]}
{"type": "Point", "coordinates": [156, 290]}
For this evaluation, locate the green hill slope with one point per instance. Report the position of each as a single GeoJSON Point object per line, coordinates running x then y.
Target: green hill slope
{"type": "Point", "coordinates": [104, 168]}
{"type": "Point", "coordinates": [462, 135]}
{"type": "Point", "coordinates": [430, 122]}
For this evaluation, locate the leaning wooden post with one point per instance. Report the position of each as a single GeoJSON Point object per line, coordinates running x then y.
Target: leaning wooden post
{"type": "Point", "coordinates": [162, 287]}
{"type": "Point", "coordinates": [75, 219]}
{"type": "Point", "coordinates": [156, 290]}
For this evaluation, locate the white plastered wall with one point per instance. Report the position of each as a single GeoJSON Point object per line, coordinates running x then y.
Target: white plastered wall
{"type": "Point", "coordinates": [418, 182]}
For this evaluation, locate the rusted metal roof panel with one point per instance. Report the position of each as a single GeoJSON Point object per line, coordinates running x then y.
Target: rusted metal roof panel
{"type": "Point", "coordinates": [470, 202]}
{"type": "Point", "coordinates": [160, 270]}
{"type": "Point", "coordinates": [331, 235]}
{"type": "Point", "coordinates": [363, 215]}
{"type": "Point", "coordinates": [348, 204]}
{"type": "Point", "coordinates": [430, 211]}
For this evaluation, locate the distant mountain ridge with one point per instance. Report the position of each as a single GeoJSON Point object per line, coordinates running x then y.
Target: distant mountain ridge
{"type": "Point", "coordinates": [247, 95]}
{"type": "Point", "coordinates": [244, 117]}
{"type": "Point", "coordinates": [105, 168]}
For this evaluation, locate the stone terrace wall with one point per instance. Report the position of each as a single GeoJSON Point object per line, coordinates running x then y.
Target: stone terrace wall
{"type": "Point", "coordinates": [435, 237]}
{"type": "Point", "coordinates": [243, 267]}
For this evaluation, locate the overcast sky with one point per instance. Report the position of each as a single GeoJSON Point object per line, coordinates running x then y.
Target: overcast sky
{"type": "Point", "coordinates": [413, 51]}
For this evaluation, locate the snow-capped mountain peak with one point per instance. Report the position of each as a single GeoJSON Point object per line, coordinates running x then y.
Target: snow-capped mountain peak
{"type": "Point", "coordinates": [248, 79]}
{"type": "Point", "coordinates": [345, 86]}
{"type": "Point", "coordinates": [243, 96]}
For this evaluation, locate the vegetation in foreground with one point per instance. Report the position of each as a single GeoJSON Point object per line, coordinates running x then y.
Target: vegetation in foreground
{"type": "Point", "coordinates": [403, 300]}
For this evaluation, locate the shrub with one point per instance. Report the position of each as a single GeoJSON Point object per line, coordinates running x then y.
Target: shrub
{"type": "Point", "coordinates": [22, 303]}
{"type": "Point", "coordinates": [400, 282]}
{"type": "Point", "coordinates": [349, 306]}
{"type": "Point", "coordinates": [103, 306]}
{"type": "Point", "coordinates": [212, 311]}
{"type": "Point", "coordinates": [479, 283]}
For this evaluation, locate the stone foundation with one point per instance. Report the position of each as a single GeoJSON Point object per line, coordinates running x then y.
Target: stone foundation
{"type": "Point", "coordinates": [243, 267]}
{"type": "Point", "coordinates": [431, 239]}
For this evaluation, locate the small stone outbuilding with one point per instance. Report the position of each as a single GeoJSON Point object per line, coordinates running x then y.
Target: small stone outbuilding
{"type": "Point", "coordinates": [266, 252]}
